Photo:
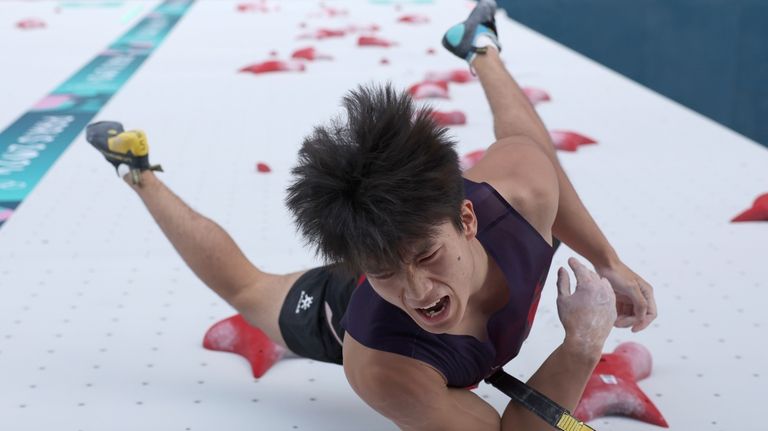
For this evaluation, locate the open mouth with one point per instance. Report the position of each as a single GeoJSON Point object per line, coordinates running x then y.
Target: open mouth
{"type": "Point", "coordinates": [436, 311]}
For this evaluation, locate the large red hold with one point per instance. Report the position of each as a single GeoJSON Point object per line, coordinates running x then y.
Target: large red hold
{"type": "Point", "coordinates": [274, 66]}
{"type": "Point", "coordinates": [569, 141]}
{"type": "Point", "coordinates": [430, 89]}
{"type": "Point", "coordinates": [758, 212]}
{"type": "Point", "coordinates": [235, 335]}
{"type": "Point", "coordinates": [612, 389]}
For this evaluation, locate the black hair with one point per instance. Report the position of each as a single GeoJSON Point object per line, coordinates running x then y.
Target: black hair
{"type": "Point", "coordinates": [368, 186]}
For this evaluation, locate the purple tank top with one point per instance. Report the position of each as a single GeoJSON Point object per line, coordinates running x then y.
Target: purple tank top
{"type": "Point", "coordinates": [523, 256]}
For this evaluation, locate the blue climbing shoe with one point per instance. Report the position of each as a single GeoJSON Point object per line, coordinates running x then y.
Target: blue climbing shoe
{"type": "Point", "coordinates": [461, 38]}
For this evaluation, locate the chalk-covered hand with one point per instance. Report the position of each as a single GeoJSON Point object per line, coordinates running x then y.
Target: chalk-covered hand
{"type": "Point", "coordinates": [589, 312]}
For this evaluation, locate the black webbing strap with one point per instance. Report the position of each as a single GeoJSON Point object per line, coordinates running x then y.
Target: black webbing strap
{"type": "Point", "coordinates": [536, 402]}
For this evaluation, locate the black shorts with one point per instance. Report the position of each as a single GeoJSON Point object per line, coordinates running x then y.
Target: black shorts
{"type": "Point", "coordinates": [310, 320]}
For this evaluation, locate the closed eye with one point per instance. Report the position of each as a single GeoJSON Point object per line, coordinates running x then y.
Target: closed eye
{"type": "Point", "coordinates": [430, 257]}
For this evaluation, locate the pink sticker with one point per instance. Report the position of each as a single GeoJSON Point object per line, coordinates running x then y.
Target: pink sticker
{"type": "Point", "coordinates": [53, 101]}
{"type": "Point", "coordinates": [5, 214]}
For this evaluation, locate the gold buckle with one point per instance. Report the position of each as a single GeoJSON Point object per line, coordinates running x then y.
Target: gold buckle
{"type": "Point", "coordinates": [569, 423]}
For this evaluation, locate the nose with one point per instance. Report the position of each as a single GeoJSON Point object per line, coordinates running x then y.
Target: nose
{"type": "Point", "coordinates": [418, 288]}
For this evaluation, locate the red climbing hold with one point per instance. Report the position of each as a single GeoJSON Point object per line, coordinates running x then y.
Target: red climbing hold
{"type": "Point", "coordinates": [612, 389]}
{"type": "Point", "coordinates": [237, 336]}
{"type": "Point", "coordinates": [373, 28]}
{"type": "Point", "coordinates": [274, 66]}
{"type": "Point", "coordinates": [569, 141]}
{"type": "Point", "coordinates": [459, 76]}
{"type": "Point", "coordinates": [470, 159]}
{"type": "Point", "coordinates": [375, 41]}
{"type": "Point", "coordinates": [451, 118]}
{"type": "Point", "coordinates": [536, 95]}
{"type": "Point", "coordinates": [333, 12]}
{"type": "Point", "coordinates": [263, 168]}
{"type": "Point", "coordinates": [30, 24]}
{"type": "Point", "coordinates": [413, 19]}
{"type": "Point", "coordinates": [758, 212]}
{"type": "Point", "coordinates": [324, 33]}
{"type": "Point", "coordinates": [430, 89]}
{"type": "Point", "coordinates": [310, 54]}
{"type": "Point", "coordinates": [253, 7]}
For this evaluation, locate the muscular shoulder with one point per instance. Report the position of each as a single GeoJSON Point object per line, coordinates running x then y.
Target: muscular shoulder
{"type": "Point", "coordinates": [388, 382]}
{"type": "Point", "coordinates": [520, 170]}
{"type": "Point", "coordinates": [412, 394]}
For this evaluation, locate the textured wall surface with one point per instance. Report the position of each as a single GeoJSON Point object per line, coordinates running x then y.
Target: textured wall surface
{"type": "Point", "coordinates": [101, 322]}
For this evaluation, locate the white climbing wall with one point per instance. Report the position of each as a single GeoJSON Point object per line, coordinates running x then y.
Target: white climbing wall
{"type": "Point", "coordinates": [101, 323]}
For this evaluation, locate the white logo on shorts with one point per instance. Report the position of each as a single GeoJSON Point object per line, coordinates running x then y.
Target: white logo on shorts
{"type": "Point", "coordinates": [305, 301]}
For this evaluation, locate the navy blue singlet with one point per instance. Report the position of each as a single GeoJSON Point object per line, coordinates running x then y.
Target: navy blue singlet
{"type": "Point", "coordinates": [523, 256]}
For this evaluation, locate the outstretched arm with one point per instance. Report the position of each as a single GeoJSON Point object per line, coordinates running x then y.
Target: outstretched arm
{"type": "Point", "coordinates": [514, 116]}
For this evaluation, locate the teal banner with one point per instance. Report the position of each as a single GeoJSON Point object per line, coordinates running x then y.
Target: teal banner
{"type": "Point", "coordinates": [31, 144]}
